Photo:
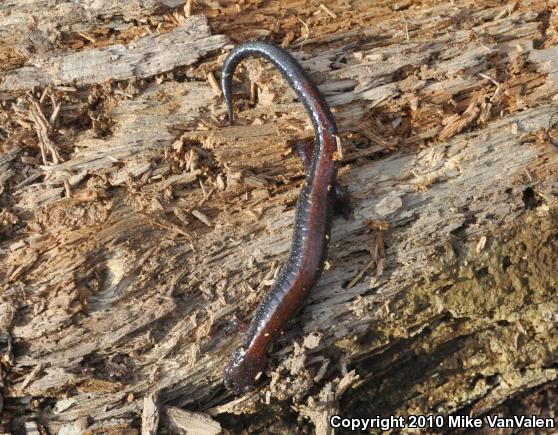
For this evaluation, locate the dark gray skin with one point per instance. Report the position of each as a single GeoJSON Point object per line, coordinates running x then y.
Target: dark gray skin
{"type": "Point", "coordinates": [313, 217]}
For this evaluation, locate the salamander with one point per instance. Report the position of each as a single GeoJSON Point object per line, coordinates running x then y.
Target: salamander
{"type": "Point", "coordinates": [318, 199]}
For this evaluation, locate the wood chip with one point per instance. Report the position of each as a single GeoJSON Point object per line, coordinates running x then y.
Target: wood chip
{"type": "Point", "coordinates": [481, 244]}
{"type": "Point", "coordinates": [192, 422]}
{"type": "Point", "coordinates": [149, 416]}
{"type": "Point", "coordinates": [202, 217]}
{"type": "Point", "coordinates": [459, 122]}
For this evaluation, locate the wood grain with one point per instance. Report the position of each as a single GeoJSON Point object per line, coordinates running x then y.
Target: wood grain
{"type": "Point", "coordinates": [136, 226]}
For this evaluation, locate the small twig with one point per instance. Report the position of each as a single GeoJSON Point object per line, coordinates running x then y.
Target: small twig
{"type": "Point", "coordinates": [204, 191]}
{"type": "Point", "coordinates": [487, 77]}
{"type": "Point", "coordinates": [327, 11]}
{"type": "Point", "coordinates": [307, 35]}
{"type": "Point", "coordinates": [43, 95]}
{"type": "Point", "coordinates": [89, 38]}
{"type": "Point", "coordinates": [41, 127]}
{"type": "Point", "coordinates": [213, 82]}
{"type": "Point", "coordinates": [548, 198]}
{"type": "Point", "coordinates": [55, 111]}
{"type": "Point", "coordinates": [189, 8]}
{"type": "Point", "coordinates": [361, 273]}
{"type": "Point", "coordinates": [206, 197]}
{"type": "Point", "coordinates": [167, 225]}
{"type": "Point", "coordinates": [31, 376]}
{"type": "Point", "coordinates": [67, 189]}
{"type": "Point", "coordinates": [406, 27]}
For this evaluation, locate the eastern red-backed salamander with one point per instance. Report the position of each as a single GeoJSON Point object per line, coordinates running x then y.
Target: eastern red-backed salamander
{"type": "Point", "coordinates": [319, 198]}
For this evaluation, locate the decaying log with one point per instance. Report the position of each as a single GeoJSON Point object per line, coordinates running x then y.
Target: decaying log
{"type": "Point", "coordinates": [137, 226]}
{"type": "Point", "coordinates": [148, 56]}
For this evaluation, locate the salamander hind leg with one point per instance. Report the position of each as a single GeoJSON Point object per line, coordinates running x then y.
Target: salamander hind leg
{"type": "Point", "coordinates": [341, 199]}
{"type": "Point", "coordinates": [342, 202]}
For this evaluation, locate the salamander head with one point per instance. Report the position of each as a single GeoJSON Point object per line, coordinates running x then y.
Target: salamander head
{"type": "Point", "coordinates": [243, 371]}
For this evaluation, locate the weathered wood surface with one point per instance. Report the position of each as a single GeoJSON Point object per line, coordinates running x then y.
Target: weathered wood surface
{"type": "Point", "coordinates": [146, 57]}
{"type": "Point", "coordinates": [136, 225]}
